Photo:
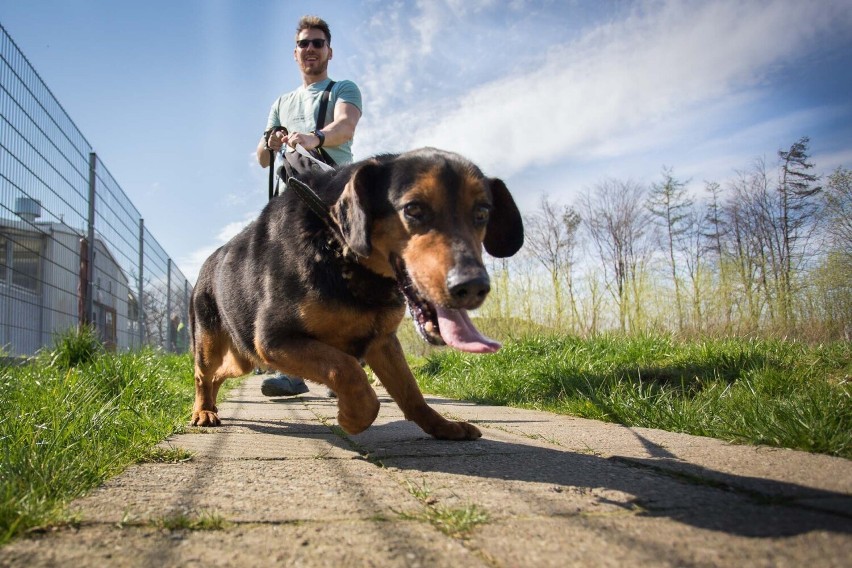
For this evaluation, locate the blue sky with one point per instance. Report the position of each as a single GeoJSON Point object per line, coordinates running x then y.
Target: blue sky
{"type": "Point", "coordinates": [551, 96]}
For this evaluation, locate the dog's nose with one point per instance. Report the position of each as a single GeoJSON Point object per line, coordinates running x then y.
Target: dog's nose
{"type": "Point", "coordinates": [468, 288]}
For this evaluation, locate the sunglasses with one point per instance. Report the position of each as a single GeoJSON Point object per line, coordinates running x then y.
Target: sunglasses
{"type": "Point", "coordinates": [317, 43]}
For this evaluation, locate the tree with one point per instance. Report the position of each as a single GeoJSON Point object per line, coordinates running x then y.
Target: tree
{"type": "Point", "coordinates": [694, 249]}
{"type": "Point", "coordinates": [616, 219]}
{"type": "Point", "coordinates": [834, 276]}
{"type": "Point", "coordinates": [796, 188]}
{"type": "Point", "coordinates": [551, 237]}
{"type": "Point", "coordinates": [670, 206]}
{"type": "Point", "coordinates": [745, 217]}
{"type": "Point", "coordinates": [838, 209]}
{"type": "Point", "coordinates": [716, 229]}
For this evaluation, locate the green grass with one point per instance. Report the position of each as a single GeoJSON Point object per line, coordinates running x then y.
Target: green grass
{"type": "Point", "coordinates": [166, 455]}
{"type": "Point", "coordinates": [75, 416]}
{"type": "Point", "coordinates": [202, 521]}
{"type": "Point", "coordinates": [777, 393]}
{"type": "Point", "coordinates": [457, 522]}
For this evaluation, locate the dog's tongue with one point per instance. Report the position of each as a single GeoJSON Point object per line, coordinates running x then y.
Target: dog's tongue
{"type": "Point", "coordinates": [458, 332]}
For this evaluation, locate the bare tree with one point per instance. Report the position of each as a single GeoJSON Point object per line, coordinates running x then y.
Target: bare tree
{"type": "Point", "coordinates": [796, 188]}
{"type": "Point", "coordinates": [838, 208]}
{"type": "Point", "coordinates": [617, 221]}
{"type": "Point", "coordinates": [155, 312]}
{"type": "Point", "coordinates": [742, 216]}
{"type": "Point", "coordinates": [835, 274]}
{"type": "Point", "coordinates": [551, 237]}
{"type": "Point", "coordinates": [693, 249]}
{"type": "Point", "coordinates": [716, 229]}
{"type": "Point", "coordinates": [670, 205]}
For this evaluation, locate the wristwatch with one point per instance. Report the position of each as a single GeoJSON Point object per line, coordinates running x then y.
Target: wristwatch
{"type": "Point", "coordinates": [321, 135]}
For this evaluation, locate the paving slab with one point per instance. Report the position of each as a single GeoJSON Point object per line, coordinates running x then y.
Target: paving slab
{"type": "Point", "coordinates": [285, 486]}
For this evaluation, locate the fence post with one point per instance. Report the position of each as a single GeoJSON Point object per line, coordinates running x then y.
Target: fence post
{"type": "Point", "coordinates": [140, 301]}
{"type": "Point", "coordinates": [169, 305]}
{"type": "Point", "coordinates": [186, 307]}
{"type": "Point", "coordinates": [90, 276]}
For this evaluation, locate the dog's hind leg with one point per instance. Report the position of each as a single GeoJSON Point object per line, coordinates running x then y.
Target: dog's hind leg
{"type": "Point", "coordinates": [386, 358]}
{"type": "Point", "coordinates": [357, 403]}
{"type": "Point", "coordinates": [215, 361]}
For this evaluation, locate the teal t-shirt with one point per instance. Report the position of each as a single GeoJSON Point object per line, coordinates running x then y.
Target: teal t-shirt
{"type": "Point", "coordinates": [297, 112]}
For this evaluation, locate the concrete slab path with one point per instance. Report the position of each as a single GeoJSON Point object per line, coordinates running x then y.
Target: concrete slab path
{"type": "Point", "coordinates": [537, 490]}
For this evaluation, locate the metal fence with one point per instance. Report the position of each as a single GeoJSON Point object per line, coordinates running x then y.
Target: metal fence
{"type": "Point", "coordinates": [73, 248]}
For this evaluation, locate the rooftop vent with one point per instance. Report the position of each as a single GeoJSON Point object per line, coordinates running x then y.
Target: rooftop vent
{"type": "Point", "coordinates": [28, 209]}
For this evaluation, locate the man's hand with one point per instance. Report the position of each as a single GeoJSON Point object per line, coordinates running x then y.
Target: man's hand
{"type": "Point", "coordinates": [307, 140]}
{"type": "Point", "coordinates": [276, 140]}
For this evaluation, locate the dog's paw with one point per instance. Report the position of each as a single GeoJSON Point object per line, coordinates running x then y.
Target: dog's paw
{"type": "Point", "coordinates": [205, 418]}
{"type": "Point", "coordinates": [355, 424]}
{"type": "Point", "coordinates": [456, 431]}
{"type": "Point", "coordinates": [357, 410]}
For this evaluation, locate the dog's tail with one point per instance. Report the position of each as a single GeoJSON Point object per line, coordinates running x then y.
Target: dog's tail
{"type": "Point", "coordinates": [192, 321]}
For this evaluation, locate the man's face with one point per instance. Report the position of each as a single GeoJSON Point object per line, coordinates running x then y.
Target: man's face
{"type": "Point", "coordinates": [312, 60]}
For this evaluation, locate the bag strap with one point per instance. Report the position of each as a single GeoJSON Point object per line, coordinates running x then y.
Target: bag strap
{"type": "Point", "coordinates": [326, 94]}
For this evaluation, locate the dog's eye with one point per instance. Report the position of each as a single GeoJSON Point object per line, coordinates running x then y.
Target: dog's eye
{"type": "Point", "coordinates": [415, 212]}
{"type": "Point", "coordinates": [481, 214]}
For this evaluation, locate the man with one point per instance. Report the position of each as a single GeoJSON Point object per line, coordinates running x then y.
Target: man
{"type": "Point", "coordinates": [297, 112]}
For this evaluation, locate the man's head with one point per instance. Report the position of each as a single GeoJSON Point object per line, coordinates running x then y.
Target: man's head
{"type": "Point", "coordinates": [313, 48]}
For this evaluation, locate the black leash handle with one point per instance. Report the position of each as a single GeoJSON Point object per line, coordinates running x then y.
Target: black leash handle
{"type": "Point", "coordinates": [271, 172]}
{"type": "Point", "coordinates": [272, 158]}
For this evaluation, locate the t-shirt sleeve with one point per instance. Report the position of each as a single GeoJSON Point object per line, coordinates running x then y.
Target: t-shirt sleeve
{"type": "Point", "coordinates": [274, 119]}
{"type": "Point", "coordinates": [348, 92]}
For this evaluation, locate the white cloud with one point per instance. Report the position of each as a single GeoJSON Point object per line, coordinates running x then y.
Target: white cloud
{"type": "Point", "coordinates": [191, 263]}
{"type": "Point", "coordinates": [611, 90]}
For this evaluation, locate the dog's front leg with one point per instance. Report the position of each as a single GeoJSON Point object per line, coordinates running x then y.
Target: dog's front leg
{"type": "Point", "coordinates": [357, 403]}
{"type": "Point", "coordinates": [204, 411]}
{"type": "Point", "coordinates": [387, 360]}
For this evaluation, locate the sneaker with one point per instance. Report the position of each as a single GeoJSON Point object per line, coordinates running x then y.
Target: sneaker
{"type": "Point", "coordinates": [282, 385]}
{"type": "Point", "coordinates": [259, 371]}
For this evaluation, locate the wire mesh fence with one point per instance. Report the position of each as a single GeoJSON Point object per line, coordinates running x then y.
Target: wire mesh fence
{"type": "Point", "coordinates": [73, 248]}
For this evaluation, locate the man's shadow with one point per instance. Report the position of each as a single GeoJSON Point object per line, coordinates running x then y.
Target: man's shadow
{"type": "Point", "coordinates": [661, 485]}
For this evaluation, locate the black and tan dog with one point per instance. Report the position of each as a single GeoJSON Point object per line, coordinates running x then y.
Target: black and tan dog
{"type": "Point", "coordinates": [310, 298]}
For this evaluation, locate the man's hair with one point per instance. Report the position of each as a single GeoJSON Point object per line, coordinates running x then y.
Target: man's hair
{"type": "Point", "coordinates": [313, 22]}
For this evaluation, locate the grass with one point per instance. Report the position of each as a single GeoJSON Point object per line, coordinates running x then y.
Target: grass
{"type": "Point", "coordinates": [772, 392]}
{"type": "Point", "coordinates": [203, 521]}
{"type": "Point", "coordinates": [166, 455]}
{"type": "Point", "coordinates": [75, 416]}
{"type": "Point", "coordinates": [456, 522]}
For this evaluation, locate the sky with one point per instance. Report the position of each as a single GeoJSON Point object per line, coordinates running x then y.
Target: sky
{"type": "Point", "coordinates": [550, 96]}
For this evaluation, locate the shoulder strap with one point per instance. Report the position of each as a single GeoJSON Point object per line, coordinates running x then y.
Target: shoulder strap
{"type": "Point", "coordinates": [324, 105]}
{"type": "Point", "coordinates": [326, 94]}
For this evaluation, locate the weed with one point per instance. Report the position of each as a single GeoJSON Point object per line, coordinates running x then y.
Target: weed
{"type": "Point", "coordinates": [422, 492]}
{"type": "Point", "coordinates": [456, 522]}
{"type": "Point", "coordinates": [171, 454]}
{"type": "Point", "coordinates": [202, 521]}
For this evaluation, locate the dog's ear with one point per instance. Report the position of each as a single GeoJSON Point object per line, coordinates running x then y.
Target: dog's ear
{"type": "Point", "coordinates": [504, 235]}
{"type": "Point", "coordinates": [352, 210]}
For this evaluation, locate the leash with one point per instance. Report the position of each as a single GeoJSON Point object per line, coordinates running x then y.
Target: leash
{"type": "Point", "coordinates": [272, 159]}
{"type": "Point", "coordinates": [313, 201]}
{"type": "Point", "coordinates": [271, 172]}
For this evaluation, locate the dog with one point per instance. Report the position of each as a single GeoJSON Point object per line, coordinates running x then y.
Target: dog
{"type": "Point", "coordinates": [311, 297]}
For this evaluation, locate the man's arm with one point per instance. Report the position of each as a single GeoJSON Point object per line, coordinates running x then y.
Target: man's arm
{"type": "Point", "coordinates": [275, 141]}
{"type": "Point", "coordinates": [337, 132]}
